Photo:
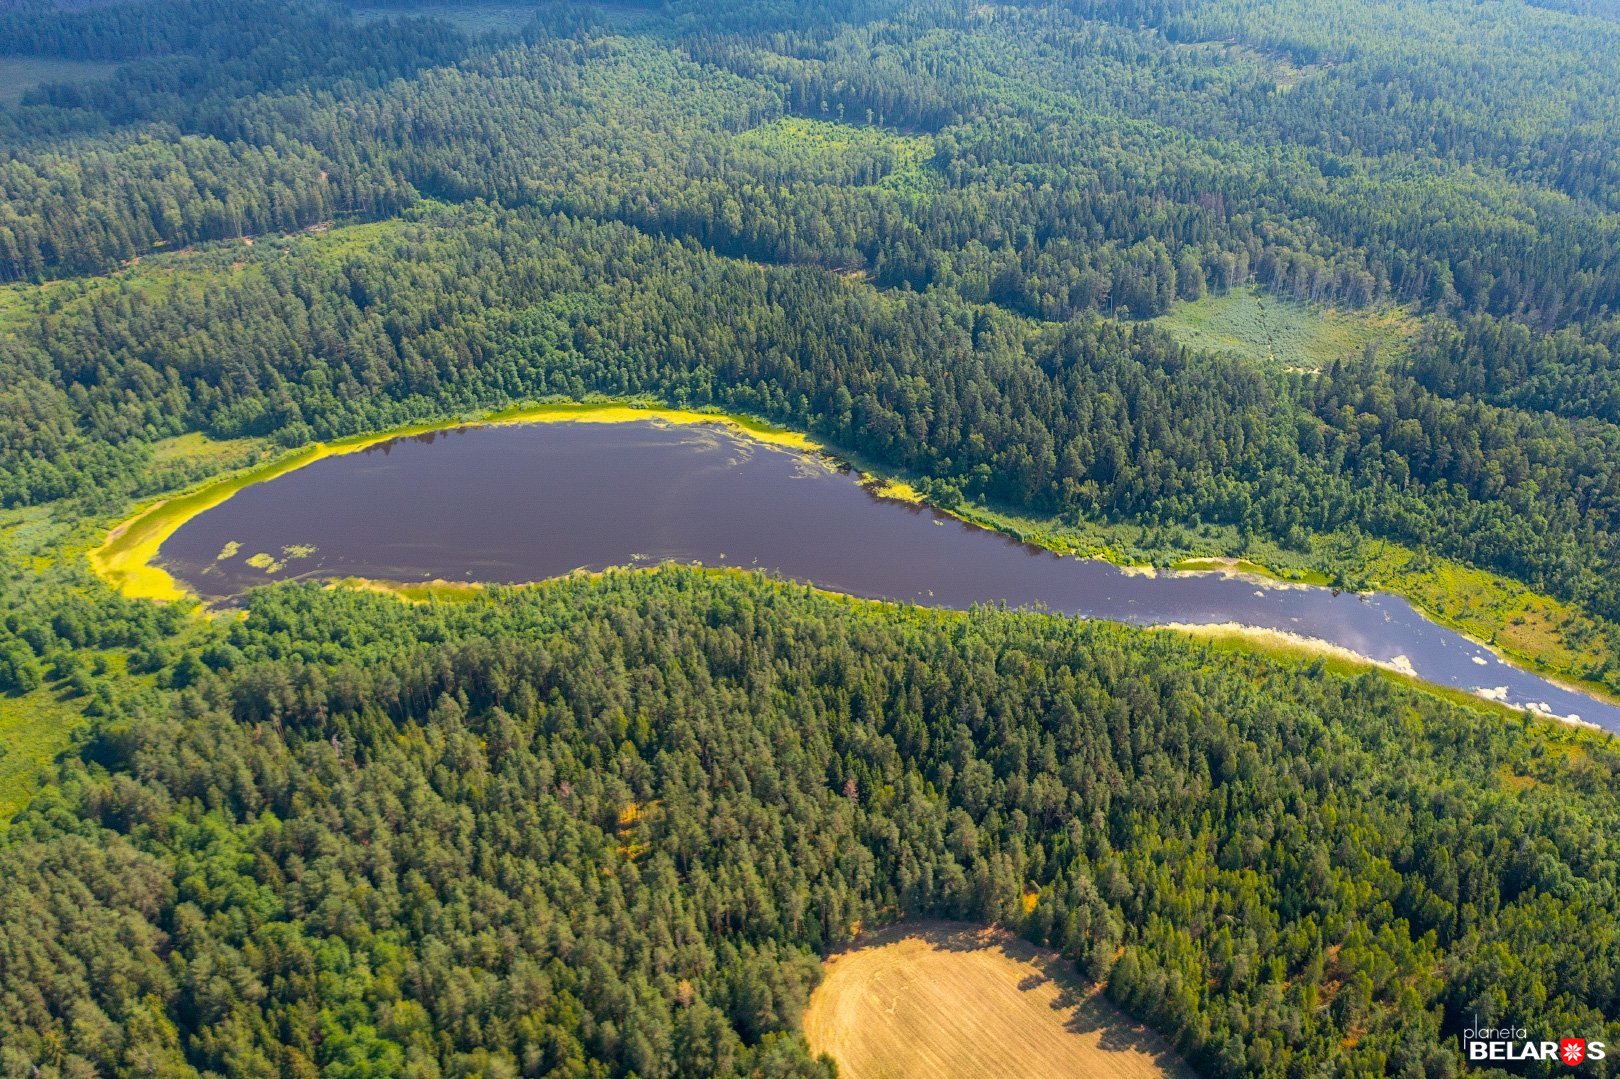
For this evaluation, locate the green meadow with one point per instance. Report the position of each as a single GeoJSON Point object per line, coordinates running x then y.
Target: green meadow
{"type": "Point", "coordinates": [1283, 333]}
{"type": "Point", "coordinates": [805, 146]}
{"type": "Point", "coordinates": [20, 74]}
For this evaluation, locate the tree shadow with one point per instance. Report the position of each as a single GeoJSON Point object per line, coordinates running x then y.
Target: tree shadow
{"type": "Point", "coordinates": [1091, 1013]}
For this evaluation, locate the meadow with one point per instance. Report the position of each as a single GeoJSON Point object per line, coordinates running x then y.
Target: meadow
{"type": "Point", "coordinates": [20, 74]}
{"type": "Point", "coordinates": [1284, 333]}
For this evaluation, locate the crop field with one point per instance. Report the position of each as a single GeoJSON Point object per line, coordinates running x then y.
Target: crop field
{"type": "Point", "coordinates": [953, 999]}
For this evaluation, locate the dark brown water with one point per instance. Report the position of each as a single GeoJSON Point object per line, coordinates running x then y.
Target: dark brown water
{"type": "Point", "coordinates": [522, 503]}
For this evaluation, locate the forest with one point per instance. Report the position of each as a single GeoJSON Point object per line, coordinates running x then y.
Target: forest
{"type": "Point", "coordinates": [606, 828]}
{"type": "Point", "coordinates": [609, 827]}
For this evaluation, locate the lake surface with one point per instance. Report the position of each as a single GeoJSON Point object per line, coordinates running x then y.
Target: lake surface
{"type": "Point", "coordinates": [527, 502]}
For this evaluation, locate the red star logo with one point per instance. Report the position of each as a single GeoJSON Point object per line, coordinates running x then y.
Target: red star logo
{"type": "Point", "coordinates": [1572, 1051]}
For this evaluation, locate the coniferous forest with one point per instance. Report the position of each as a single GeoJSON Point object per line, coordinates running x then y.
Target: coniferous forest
{"type": "Point", "coordinates": [610, 826]}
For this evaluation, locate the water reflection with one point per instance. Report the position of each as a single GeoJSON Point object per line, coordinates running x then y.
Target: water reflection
{"type": "Point", "coordinates": [527, 502]}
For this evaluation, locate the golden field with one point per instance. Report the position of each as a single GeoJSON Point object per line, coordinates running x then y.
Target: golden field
{"type": "Point", "coordinates": [954, 999]}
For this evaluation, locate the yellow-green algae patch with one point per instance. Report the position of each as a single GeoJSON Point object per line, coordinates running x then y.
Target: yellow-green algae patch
{"type": "Point", "coordinates": [127, 559]}
{"type": "Point", "coordinates": [618, 412]}
{"type": "Point", "coordinates": [899, 490]}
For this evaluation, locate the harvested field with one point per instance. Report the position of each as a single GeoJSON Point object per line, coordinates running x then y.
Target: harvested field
{"type": "Point", "coordinates": [955, 999]}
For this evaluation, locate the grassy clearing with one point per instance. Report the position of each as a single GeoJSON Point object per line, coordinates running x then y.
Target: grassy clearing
{"type": "Point", "coordinates": [198, 448]}
{"type": "Point", "coordinates": [354, 240]}
{"type": "Point", "coordinates": [810, 147]}
{"type": "Point", "coordinates": [34, 729]}
{"type": "Point", "coordinates": [186, 459]}
{"type": "Point", "coordinates": [1279, 67]}
{"type": "Point", "coordinates": [20, 74]}
{"type": "Point", "coordinates": [1282, 333]}
{"type": "Point", "coordinates": [473, 18]}
{"type": "Point", "coordinates": [191, 270]}
{"type": "Point", "coordinates": [14, 304]}
{"type": "Point", "coordinates": [31, 535]}
{"type": "Point", "coordinates": [941, 998]}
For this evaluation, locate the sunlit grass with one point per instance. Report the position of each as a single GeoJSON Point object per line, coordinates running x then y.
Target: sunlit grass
{"type": "Point", "coordinates": [1542, 632]}
{"type": "Point", "coordinates": [34, 729]}
{"type": "Point", "coordinates": [37, 727]}
{"type": "Point", "coordinates": [1283, 333]}
{"type": "Point", "coordinates": [14, 303]}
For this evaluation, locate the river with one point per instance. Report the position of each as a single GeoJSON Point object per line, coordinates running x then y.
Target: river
{"type": "Point", "coordinates": [531, 501]}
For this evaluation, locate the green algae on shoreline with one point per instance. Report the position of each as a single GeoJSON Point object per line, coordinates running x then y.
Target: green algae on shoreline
{"type": "Point", "coordinates": [127, 558]}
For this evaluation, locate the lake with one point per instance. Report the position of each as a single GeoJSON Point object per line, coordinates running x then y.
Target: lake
{"type": "Point", "coordinates": [505, 504]}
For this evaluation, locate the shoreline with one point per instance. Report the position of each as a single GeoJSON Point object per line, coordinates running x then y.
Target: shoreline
{"type": "Point", "coordinates": [1300, 645]}
{"type": "Point", "coordinates": [1296, 647]}
{"type": "Point", "coordinates": [127, 557]}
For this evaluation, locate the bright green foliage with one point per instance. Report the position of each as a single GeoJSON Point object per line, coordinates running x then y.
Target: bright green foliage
{"type": "Point", "coordinates": [509, 831]}
{"type": "Point", "coordinates": [1285, 333]}
{"type": "Point", "coordinates": [606, 829]}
